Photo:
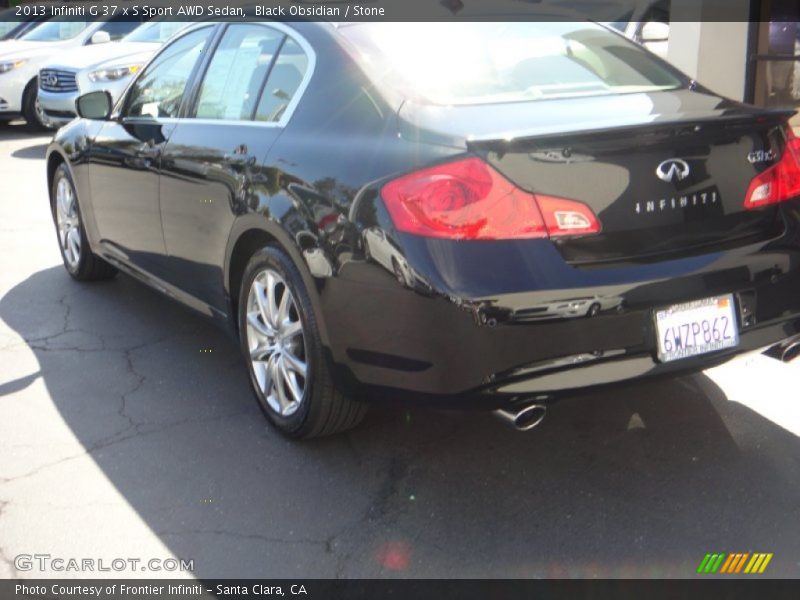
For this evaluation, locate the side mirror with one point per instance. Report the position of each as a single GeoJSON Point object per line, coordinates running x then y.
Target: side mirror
{"type": "Point", "coordinates": [655, 31]}
{"type": "Point", "coordinates": [94, 105]}
{"type": "Point", "coordinates": [100, 37]}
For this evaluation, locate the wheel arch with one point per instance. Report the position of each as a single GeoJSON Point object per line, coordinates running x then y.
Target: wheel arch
{"type": "Point", "coordinates": [249, 234]}
{"type": "Point", "coordinates": [34, 82]}
{"type": "Point", "coordinates": [54, 159]}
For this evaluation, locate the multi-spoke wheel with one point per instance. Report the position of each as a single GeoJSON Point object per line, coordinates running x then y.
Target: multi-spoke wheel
{"type": "Point", "coordinates": [290, 373]}
{"type": "Point", "coordinates": [68, 222]}
{"type": "Point", "coordinates": [78, 257]}
{"type": "Point", "coordinates": [276, 342]}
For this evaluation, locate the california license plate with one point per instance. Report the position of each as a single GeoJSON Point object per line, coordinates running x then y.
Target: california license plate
{"type": "Point", "coordinates": [698, 327]}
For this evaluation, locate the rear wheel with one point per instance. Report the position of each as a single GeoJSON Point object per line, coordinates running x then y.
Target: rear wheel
{"type": "Point", "coordinates": [32, 110]}
{"type": "Point", "coordinates": [289, 372]}
{"type": "Point", "coordinates": [79, 260]}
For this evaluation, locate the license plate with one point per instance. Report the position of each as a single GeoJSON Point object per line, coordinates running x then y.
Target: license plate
{"type": "Point", "coordinates": [698, 327]}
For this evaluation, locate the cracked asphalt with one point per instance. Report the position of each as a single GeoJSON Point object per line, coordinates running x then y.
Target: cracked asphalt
{"type": "Point", "coordinates": [127, 430]}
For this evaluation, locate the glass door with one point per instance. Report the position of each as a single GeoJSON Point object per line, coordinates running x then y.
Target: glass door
{"type": "Point", "coordinates": [777, 61]}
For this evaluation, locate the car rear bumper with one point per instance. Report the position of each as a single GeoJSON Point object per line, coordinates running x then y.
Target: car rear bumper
{"type": "Point", "coordinates": [462, 346]}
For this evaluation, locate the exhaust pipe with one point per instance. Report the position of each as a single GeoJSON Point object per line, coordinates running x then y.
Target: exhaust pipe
{"type": "Point", "coordinates": [525, 418]}
{"type": "Point", "coordinates": [791, 352]}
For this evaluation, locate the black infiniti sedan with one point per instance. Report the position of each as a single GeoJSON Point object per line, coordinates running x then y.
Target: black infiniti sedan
{"type": "Point", "coordinates": [485, 215]}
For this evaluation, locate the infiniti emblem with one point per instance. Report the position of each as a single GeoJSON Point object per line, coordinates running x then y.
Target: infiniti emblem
{"type": "Point", "coordinates": [673, 169]}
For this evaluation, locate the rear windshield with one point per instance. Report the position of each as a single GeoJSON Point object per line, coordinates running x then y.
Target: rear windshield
{"type": "Point", "coordinates": [480, 63]}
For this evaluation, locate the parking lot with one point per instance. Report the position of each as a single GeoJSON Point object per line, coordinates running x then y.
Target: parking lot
{"type": "Point", "coordinates": [127, 430]}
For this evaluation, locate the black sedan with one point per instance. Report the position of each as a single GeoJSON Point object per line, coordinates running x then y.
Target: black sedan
{"type": "Point", "coordinates": [492, 216]}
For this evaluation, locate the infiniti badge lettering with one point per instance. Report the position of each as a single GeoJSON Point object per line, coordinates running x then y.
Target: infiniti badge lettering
{"type": "Point", "coordinates": [676, 203]}
{"type": "Point", "coordinates": [759, 156]}
{"type": "Point", "coordinates": [673, 169]}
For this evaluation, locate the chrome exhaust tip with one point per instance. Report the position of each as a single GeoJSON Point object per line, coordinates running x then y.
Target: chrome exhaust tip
{"type": "Point", "coordinates": [791, 352]}
{"type": "Point", "coordinates": [524, 419]}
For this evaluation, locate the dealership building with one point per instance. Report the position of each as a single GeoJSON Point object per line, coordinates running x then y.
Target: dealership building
{"type": "Point", "coordinates": [754, 55]}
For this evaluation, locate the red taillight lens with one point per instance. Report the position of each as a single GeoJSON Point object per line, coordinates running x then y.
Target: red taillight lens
{"type": "Point", "coordinates": [469, 200]}
{"type": "Point", "coordinates": [781, 181]}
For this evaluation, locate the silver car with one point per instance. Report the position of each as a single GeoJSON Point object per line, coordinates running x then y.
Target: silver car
{"type": "Point", "coordinates": [86, 70]}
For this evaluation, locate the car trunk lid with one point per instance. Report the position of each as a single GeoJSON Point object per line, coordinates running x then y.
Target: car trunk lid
{"type": "Point", "coordinates": [666, 173]}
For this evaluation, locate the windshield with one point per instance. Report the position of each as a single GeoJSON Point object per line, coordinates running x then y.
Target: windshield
{"type": "Point", "coordinates": [155, 32]}
{"type": "Point", "coordinates": [7, 22]}
{"type": "Point", "coordinates": [55, 31]}
{"type": "Point", "coordinates": [479, 63]}
{"type": "Point", "coordinates": [6, 27]}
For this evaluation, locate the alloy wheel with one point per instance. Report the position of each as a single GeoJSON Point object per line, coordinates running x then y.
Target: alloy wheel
{"type": "Point", "coordinates": [69, 223]}
{"type": "Point", "coordinates": [276, 342]}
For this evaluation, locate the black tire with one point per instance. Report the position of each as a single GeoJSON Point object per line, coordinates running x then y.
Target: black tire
{"type": "Point", "coordinates": [323, 410]}
{"type": "Point", "coordinates": [89, 266]}
{"type": "Point", "coordinates": [32, 119]}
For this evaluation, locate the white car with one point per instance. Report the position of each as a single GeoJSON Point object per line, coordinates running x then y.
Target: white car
{"type": "Point", "coordinates": [91, 69]}
{"type": "Point", "coordinates": [21, 59]}
{"type": "Point", "coordinates": [379, 247]}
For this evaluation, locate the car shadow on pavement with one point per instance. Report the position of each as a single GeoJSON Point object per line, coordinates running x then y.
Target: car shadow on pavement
{"type": "Point", "coordinates": [18, 130]}
{"type": "Point", "coordinates": [636, 482]}
{"type": "Point", "coordinates": [36, 152]}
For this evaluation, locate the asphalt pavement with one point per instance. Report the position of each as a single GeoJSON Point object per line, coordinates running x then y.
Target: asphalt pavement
{"type": "Point", "coordinates": [127, 430]}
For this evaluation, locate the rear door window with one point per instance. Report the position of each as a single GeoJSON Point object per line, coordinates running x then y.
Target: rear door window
{"type": "Point", "coordinates": [236, 73]}
{"type": "Point", "coordinates": [283, 83]}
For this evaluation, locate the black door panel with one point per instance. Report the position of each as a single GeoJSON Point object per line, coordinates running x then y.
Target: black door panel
{"type": "Point", "coordinates": [210, 174]}
{"type": "Point", "coordinates": [125, 156]}
{"type": "Point", "coordinates": [212, 166]}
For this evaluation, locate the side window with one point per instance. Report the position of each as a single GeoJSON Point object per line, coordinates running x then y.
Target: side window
{"type": "Point", "coordinates": [283, 82]}
{"type": "Point", "coordinates": [159, 89]}
{"type": "Point", "coordinates": [236, 72]}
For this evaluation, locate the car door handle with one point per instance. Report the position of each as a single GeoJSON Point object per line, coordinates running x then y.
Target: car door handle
{"type": "Point", "coordinates": [240, 156]}
{"type": "Point", "coordinates": [149, 148]}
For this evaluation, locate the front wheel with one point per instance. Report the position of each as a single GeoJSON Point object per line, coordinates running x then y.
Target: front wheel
{"type": "Point", "coordinates": [79, 260]}
{"type": "Point", "coordinates": [289, 372]}
{"type": "Point", "coordinates": [32, 110]}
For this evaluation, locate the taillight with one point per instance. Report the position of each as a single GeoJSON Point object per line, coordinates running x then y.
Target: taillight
{"type": "Point", "coordinates": [469, 200]}
{"type": "Point", "coordinates": [781, 181]}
